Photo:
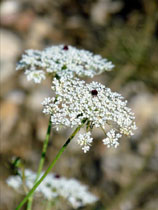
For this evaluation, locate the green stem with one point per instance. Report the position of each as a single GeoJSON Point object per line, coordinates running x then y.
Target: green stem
{"type": "Point", "coordinates": [50, 167]}
{"type": "Point", "coordinates": [23, 180]}
{"type": "Point", "coordinates": [41, 163]}
{"type": "Point", "coordinates": [29, 204]}
{"type": "Point", "coordinates": [48, 207]}
{"type": "Point", "coordinates": [44, 151]}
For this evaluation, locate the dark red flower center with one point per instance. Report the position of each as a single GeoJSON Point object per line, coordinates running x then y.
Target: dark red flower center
{"type": "Point", "coordinates": [65, 47]}
{"type": "Point", "coordinates": [94, 92]}
{"type": "Point", "coordinates": [57, 176]}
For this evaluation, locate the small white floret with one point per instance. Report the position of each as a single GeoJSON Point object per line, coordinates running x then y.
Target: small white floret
{"type": "Point", "coordinates": [37, 76]}
{"type": "Point", "coordinates": [112, 139]}
{"type": "Point", "coordinates": [85, 140]}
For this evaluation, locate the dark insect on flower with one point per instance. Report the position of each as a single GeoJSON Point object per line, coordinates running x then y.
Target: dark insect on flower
{"type": "Point", "coordinates": [94, 92]}
{"type": "Point", "coordinates": [65, 47]}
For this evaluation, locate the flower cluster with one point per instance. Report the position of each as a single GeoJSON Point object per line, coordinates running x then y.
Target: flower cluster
{"type": "Point", "coordinates": [77, 101]}
{"type": "Point", "coordinates": [37, 75]}
{"type": "Point", "coordinates": [54, 187]}
{"type": "Point", "coordinates": [85, 140]}
{"type": "Point", "coordinates": [112, 139]}
{"type": "Point", "coordinates": [59, 60]}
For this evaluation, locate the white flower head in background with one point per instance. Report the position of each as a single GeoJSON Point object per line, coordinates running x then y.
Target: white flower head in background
{"type": "Point", "coordinates": [14, 182]}
{"type": "Point", "coordinates": [61, 59]}
{"type": "Point", "coordinates": [55, 186]}
{"type": "Point", "coordinates": [77, 101]}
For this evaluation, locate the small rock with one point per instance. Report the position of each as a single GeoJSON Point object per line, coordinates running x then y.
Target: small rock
{"type": "Point", "coordinates": [9, 116]}
{"type": "Point", "coordinates": [145, 108]}
{"type": "Point", "coordinates": [10, 47]}
{"type": "Point", "coordinates": [9, 12]}
{"type": "Point", "coordinates": [16, 96]}
{"type": "Point", "coordinates": [124, 166]}
{"type": "Point", "coordinates": [37, 96]}
{"type": "Point", "coordinates": [102, 9]}
{"type": "Point", "coordinates": [38, 30]}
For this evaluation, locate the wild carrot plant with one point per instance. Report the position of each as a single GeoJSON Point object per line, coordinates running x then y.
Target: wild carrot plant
{"type": "Point", "coordinates": [77, 105]}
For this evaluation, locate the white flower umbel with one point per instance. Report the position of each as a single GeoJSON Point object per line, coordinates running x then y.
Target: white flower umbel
{"type": "Point", "coordinates": [61, 59]}
{"type": "Point", "coordinates": [16, 181]}
{"type": "Point", "coordinates": [76, 101]}
{"type": "Point", "coordinates": [85, 140]}
{"type": "Point", "coordinates": [112, 139]}
{"type": "Point", "coordinates": [55, 186]}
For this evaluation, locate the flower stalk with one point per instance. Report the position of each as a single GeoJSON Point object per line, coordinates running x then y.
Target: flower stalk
{"type": "Point", "coordinates": [30, 193]}
{"type": "Point", "coordinates": [41, 163]}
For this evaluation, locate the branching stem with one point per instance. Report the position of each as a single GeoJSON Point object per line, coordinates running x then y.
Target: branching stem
{"type": "Point", "coordinates": [50, 167]}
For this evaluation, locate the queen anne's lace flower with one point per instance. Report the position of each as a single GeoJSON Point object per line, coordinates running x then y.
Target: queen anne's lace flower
{"type": "Point", "coordinates": [85, 140]}
{"type": "Point", "coordinates": [54, 186]}
{"type": "Point", "coordinates": [76, 101]}
{"type": "Point", "coordinates": [112, 139]}
{"type": "Point", "coordinates": [58, 60]}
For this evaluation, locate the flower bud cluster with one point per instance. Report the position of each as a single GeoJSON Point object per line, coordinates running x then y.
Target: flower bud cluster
{"type": "Point", "coordinates": [76, 101]}
{"type": "Point", "coordinates": [59, 60]}
{"type": "Point", "coordinates": [54, 187]}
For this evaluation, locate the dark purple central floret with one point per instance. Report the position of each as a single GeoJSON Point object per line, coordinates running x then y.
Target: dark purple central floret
{"type": "Point", "coordinates": [57, 176]}
{"type": "Point", "coordinates": [94, 92]}
{"type": "Point", "coordinates": [65, 47]}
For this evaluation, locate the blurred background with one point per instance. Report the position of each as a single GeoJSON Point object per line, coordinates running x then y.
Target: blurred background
{"type": "Point", "coordinates": [125, 32]}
